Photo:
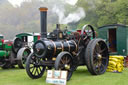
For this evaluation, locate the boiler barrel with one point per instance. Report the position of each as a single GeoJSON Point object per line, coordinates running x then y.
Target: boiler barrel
{"type": "Point", "coordinates": [49, 48]}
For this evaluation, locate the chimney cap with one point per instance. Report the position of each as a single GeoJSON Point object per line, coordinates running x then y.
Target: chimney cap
{"type": "Point", "coordinates": [43, 8]}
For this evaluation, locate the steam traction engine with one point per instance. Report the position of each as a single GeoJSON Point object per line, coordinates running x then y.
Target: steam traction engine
{"type": "Point", "coordinates": [5, 51]}
{"type": "Point", "coordinates": [16, 52]}
{"type": "Point", "coordinates": [22, 46]}
{"type": "Point", "coordinates": [65, 51]}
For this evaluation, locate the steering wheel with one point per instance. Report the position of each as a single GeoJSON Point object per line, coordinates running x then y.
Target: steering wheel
{"type": "Point", "coordinates": [87, 31]}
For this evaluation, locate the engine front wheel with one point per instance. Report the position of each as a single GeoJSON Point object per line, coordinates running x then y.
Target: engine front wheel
{"type": "Point", "coordinates": [64, 61]}
{"type": "Point", "coordinates": [34, 68]}
{"type": "Point", "coordinates": [22, 55]}
{"type": "Point", "coordinates": [97, 56]}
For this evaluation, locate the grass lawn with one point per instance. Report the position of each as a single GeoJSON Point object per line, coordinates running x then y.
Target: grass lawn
{"type": "Point", "coordinates": [81, 76]}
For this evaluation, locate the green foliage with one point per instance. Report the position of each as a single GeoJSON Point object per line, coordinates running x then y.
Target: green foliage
{"type": "Point", "coordinates": [114, 12]}
{"type": "Point", "coordinates": [104, 12]}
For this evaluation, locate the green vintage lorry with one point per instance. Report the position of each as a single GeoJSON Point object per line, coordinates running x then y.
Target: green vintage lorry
{"type": "Point", "coordinates": [15, 52]}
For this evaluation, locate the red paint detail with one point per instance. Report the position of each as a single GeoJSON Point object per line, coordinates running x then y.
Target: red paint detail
{"type": "Point", "coordinates": [38, 37]}
{"type": "Point", "coordinates": [127, 58]}
{"type": "Point", "coordinates": [9, 44]}
{"type": "Point", "coordinates": [80, 31]}
{"type": "Point", "coordinates": [2, 40]}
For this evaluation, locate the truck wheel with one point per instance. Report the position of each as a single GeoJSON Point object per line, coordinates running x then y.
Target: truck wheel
{"type": "Point", "coordinates": [97, 56]}
{"type": "Point", "coordinates": [22, 55]}
{"type": "Point", "coordinates": [64, 61]}
{"type": "Point", "coordinates": [33, 67]}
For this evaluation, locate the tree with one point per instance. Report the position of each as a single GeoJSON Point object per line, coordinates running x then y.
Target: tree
{"type": "Point", "coordinates": [112, 12]}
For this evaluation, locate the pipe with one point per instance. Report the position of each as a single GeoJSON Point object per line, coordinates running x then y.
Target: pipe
{"type": "Point", "coordinates": [58, 26]}
{"type": "Point", "coordinates": [43, 22]}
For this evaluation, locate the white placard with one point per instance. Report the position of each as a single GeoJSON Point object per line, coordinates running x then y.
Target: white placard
{"type": "Point", "coordinates": [49, 74]}
{"type": "Point", "coordinates": [63, 73]}
{"type": "Point", "coordinates": [56, 77]}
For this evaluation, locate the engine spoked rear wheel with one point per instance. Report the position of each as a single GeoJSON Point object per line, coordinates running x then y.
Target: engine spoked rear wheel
{"type": "Point", "coordinates": [97, 56]}
{"type": "Point", "coordinates": [34, 68]}
{"type": "Point", "coordinates": [64, 61]}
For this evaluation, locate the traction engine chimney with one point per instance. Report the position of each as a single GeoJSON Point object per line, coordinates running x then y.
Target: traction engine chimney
{"type": "Point", "coordinates": [43, 21]}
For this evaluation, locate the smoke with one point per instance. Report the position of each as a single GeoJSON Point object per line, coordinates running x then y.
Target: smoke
{"type": "Point", "coordinates": [72, 17]}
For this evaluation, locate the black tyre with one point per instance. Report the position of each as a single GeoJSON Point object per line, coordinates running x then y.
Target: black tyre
{"type": "Point", "coordinates": [22, 55]}
{"type": "Point", "coordinates": [6, 65]}
{"type": "Point", "coordinates": [97, 56]}
{"type": "Point", "coordinates": [17, 44]}
{"type": "Point", "coordinates": [87, 58]}
{"type": "Point", "coordinates": [34, 68]}
{"type": "Point", "coordinates": [64, 61]}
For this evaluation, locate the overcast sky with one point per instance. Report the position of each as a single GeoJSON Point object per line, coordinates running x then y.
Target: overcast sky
{"type": "Point", "coordinates": [18, 3]}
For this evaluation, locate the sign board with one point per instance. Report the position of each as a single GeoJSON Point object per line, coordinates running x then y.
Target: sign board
{"type": "Point", "coordinates": [56, 77]}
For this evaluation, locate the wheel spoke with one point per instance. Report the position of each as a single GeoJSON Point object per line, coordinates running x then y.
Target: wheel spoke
{"type": "Point", "coordinates": [31, 67]}
{"type": "Point", "coordinates": [37, 71]}
{"type": "Point", "coordinates": [99, 67]}
{"type": "Point", "coordinates": [98, 48]}
{"type": "Point", "coordinates": [102, 65]}
{"type": "Point", "coordinates": [104, 57]}
{"type": "Point", "coordinates": [61, 67]}
{"type": "Point", "coordinates": [68, 62]}
{"type": "Point", "coordinates": [95, 61]}
{"type": "Point", "coordinates": [33, 70]}
{"type": "Point", "coordinates": [90, 34]}
{"type": "Point", "coordinates": [62, 61]}
{"type": "Point", "coordinates": [101, 51]}
{"type": "Point", "coordinates": [66, 59]}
